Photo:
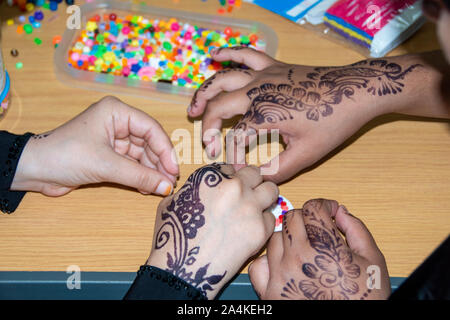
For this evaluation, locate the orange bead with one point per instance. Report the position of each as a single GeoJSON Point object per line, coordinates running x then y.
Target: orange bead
{"type": "Point", "coordinates": [56, 39]}
{"type": "Point", "coordinates": [20, 29]}
{"type": "Point", "coordinates": [253, 38]}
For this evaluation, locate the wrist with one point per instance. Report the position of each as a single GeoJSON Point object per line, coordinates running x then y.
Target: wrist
{"type": "Point", "coordinates": [26, 175]}
{"type": "Point", "coordinates": [187, 276]}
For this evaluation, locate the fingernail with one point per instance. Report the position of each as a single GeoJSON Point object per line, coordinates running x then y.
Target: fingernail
{"type": "Point", "coordinates": [189, 108]}
{"type": "Point", "coordinates": [164, 188]}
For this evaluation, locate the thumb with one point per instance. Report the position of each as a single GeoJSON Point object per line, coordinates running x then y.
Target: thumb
{"type": "Point", "coordinates": [131, 173]}
{"type": "Point", "coordinates": [358, 237]}
{"type": "Point", "coordinates": [259, 274]}
{"type": "Point", "coordinates": [288, 163]}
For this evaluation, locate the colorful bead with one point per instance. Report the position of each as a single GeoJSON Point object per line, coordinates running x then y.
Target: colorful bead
{"type": "Point", "coordinates": [38, 15]}
{"type": "Point", "coordinates": [151, 49]}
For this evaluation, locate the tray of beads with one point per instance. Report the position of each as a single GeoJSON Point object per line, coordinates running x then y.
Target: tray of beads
{"type": "Point", "coordinates": [143, 50]}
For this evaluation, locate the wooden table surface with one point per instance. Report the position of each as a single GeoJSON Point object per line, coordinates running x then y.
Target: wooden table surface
{"type": "Point", "coordinates": [394, 173]}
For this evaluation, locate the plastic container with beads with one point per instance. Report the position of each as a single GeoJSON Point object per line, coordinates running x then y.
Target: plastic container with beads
{"type": "Point", "coordinates": [4, 88]}
{"type": "Point", "coordinates": [150, 52]}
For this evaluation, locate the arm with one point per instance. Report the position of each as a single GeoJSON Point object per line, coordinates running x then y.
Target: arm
{"type": "Point", "coordinates": [315, 109]}
{"type": "Point", "coordinates": [108, 142]}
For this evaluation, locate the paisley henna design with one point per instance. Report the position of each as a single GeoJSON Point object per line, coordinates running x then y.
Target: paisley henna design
{"type": "Point", "coordinates": [181, 220]}
{"type": "Point", "coordinates": [331, 275]}
{"type": "Point", "coordinates": [323, 89]}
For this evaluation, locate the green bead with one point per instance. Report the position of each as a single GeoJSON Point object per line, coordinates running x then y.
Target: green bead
{"type": "Point", "coordinates": [37, 41]}
{"type": "Point", "coordinates": [232, 41]}
{"type": "Point", "coordinates": [19, 65]}
{"type": "Point", "coordinates": [100, 38]}
{"type": "Point", "coordinates": [178, 64]}
{"type": "Point", "coordinates": [28, 28]}
{"type": "Point", "coordinates": [167, 45]}
{"type": "Point", "coordinates": [169, 73]}
{"type": "Point", "coordinates": [245, 39]}
{"type": "Point", "coordinates": [215, 36]}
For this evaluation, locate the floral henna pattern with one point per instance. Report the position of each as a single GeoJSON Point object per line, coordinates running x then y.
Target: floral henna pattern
{"type": "Point", "coordinates": [325, 88]}
{"type": "Point", "coordinates": [331, 276]}
{"type": "Point", "coordinates": [181, 220]}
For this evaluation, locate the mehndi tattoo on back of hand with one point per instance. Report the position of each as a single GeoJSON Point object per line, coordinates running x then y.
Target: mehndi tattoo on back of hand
{"type": "Point", "coordinates": [324, 88]}
{"type": "Point", "coordinates": [333, 271]}
{"type": "Point", "coordinates": [182, 219]}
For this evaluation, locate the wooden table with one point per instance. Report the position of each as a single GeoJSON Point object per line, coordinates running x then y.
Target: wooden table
{"type": "Point", "coordinates": [394, 173]}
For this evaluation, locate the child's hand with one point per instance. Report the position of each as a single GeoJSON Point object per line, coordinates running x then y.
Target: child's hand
{"type": "Point", "coordinates": [311, 260]}
{"type": "Point", "coordinates": [109, 142]}
{"type": "Point", "coordinates": [315, 108]}
{"type": "Point", "coordinates": [207, 230]}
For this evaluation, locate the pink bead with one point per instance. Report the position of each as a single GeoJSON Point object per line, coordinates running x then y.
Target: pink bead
{"type": "Point", "coordinates": [146, 71]}
{"type": "Point", "coordinates": [188, 35]}
{"type": "Point", "coordinates": [75, 56]}
{"type": "Point", "coordinates": [175, 26]}
{"type": "Point", "coordinates": [126, 71]}
{"type": "Point", "coordinates": [132, 61]}
{"type": "Point", "coordinates": [148, 50]}
{"type": "Point", "coordinates": [89, 42]}
{"type": "Point", "coordinates": [125, 30]}
{"type": "Point", "coordinates": [92, 59]}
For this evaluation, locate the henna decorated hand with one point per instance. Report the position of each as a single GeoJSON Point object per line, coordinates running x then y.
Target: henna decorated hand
{"type": "Point", "coordinates": [310, 259]}
{"type": "Point", "coordinates": [108, 142]}
{"type": "Point", "coordinates": [314, 108]}
{"type": "Point", "coordinates": [207, 230]}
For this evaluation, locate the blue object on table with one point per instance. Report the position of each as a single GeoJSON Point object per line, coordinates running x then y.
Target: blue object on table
{"type": "Point", "coordinates": [290, 9]}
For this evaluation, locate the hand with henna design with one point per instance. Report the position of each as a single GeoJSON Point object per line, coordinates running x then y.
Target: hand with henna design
{"type": "Point", "coordinates": [310, 260]}
{"type": "Point", "coordinates": [315, 109]}
{"type": "Point", "coordinates": [207, 230]}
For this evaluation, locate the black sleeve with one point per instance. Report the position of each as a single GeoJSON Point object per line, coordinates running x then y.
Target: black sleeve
{"type": "Point", "coordinates": [153, 283]}
{"type": "Point", "coordinates": [431, 280]}
{"type": "Point", "coordinates": [11, 147]}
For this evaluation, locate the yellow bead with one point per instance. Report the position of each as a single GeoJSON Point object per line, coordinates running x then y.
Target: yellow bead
{"type": "Point", "coordinates": [91, 26]}
{"type": "Point", "coordinates": [10, 22]}
{"type": "Point", "coordinates": [29, 7]}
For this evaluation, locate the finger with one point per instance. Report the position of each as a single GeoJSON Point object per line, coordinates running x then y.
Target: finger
{"type": "Point", "coordinates": [223, 80]}
{"type": "Point", "coordinates": [288, 163]}
{"type": "Point", "coordinates": [259, 274]}
{"type": "Point", "coordinates": [269, 223]}
{"type": "Point", "coordinates": [275, 251]}
{"type": "Point", "coordinates": [266, 194]}
{"type": "Point", "coordinates": [252, 58]}
{"type": "Point", "coordinates": [224, 106]}
{"type": "Point", "coordinates": [154, 159]}
{"type": "Point", "coordinates": [130, 173]}
{"type": "Point", "coordinates": [250, 176]}
{"type": "Point", "coordinates": [237, 140]}
{"type": "Point", "coordinates": [320, 209]}
{"type": "Point", "coordinates": [129, 120]}
{"type": "Point", "coordinates": [294, 231]}
{"type": "Point", "coordinates": [358, 237]}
